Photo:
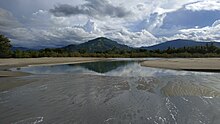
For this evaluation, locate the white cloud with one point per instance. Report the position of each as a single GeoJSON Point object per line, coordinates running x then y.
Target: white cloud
{"type": "Point", "coordinates": [204, 5]}
{"type": "Point", "coordinates": [7, 21]}
{"type": "Point", "coordinates": [216, 23]}
{"type": "Point", "coordinates": [135, 39]}
{"type": "Point", "coordinates": [155, 21]}
{"type": "Point", "coordinates": [39, 12]}
{"type": "Point", "coordinates": [60, 31]}
{"type": "Point", "coordinates": [41, 28]}
{"type": "Point", "coordinates": [209, 33]}
{"type": "Point", "coordinates": [22, 34]}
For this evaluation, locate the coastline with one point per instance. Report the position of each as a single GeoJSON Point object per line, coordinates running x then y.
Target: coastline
{"type": "Point", "coordinates": [12, 79]}
{"type": "Point", "coordinates": [6, 64]}
{"type": "Point", "coordinates": [187, 64]}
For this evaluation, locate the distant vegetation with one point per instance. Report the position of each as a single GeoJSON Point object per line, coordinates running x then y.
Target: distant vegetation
{"type": "Point", "coordinates": [5, 47]}
{"type": "Point", "coordinates": [103, 47]}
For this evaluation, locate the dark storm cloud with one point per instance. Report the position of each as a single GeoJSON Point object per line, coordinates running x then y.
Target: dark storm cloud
{"type": "Point", "coordinates": [93, 8]}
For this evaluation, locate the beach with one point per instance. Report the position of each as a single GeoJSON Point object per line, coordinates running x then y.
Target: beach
{"type": "Point", "coordinates": [6, 64]}
{"type": "Point", "coordinates": [81, 98]}
{"type": "Point", "coordinates": [106, 92]}
{"type": "Point", "coordinates": [11, 79]}
{"type": "Point", "coordinates": [187, 64]}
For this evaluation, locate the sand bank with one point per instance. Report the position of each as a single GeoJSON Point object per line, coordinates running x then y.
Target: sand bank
{"type": "Point", "coordinates": [189, 64]}
{"type": "Point", "coordinates": [5, 64]}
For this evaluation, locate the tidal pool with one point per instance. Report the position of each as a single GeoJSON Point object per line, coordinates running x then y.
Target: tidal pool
{"type": "Point", "coordinates": [112, 92]}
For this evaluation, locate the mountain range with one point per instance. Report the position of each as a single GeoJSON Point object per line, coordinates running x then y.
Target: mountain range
{"type": "Point", "coordinates": [179, 43]}
{"type": "Point", "coordinates": [20, 48]}
{"type": "Point", "coordinates": [103, 44]}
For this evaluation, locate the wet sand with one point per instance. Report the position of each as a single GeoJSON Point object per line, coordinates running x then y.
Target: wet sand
{"type": "Point", "coordinates": [102, 99]}
{"type": "Point", "coordinates": [188, 64]}
{"type": "Point", "coordinates": [6, 64]}
{"type": "Point", "coordinates": [13, 82]}
{"type": "Point", "coordinates": [9, 80]}
{"type": "Point", "coordinates": [111, 98]}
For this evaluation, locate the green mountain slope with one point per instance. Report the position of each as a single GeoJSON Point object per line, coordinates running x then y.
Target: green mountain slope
{"type": "Point", "coordinates": [97, 45]}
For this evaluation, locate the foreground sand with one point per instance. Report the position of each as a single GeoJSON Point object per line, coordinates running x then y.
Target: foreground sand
{"type": "Point", "coordinates": [5, 64]}
{"type": "Point", "coordinates": [94, 99]}
{"type": "Point", "coordinates": [189, 64]}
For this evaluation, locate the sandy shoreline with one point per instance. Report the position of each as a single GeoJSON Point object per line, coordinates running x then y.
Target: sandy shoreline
{"type": "Point", "coordinates": [188, 64]}
{"type": "Point", "coordinates": [6, 64]}
{"type": "Point", "coordinates": [11, 79]}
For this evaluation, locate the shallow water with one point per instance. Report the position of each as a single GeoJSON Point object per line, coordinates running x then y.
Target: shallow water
{"type": "Point", "coordinates": [113, 92]}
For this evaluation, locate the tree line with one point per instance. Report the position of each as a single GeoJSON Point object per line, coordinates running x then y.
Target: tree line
{"type": "Point", "coordinates": [186, 52]}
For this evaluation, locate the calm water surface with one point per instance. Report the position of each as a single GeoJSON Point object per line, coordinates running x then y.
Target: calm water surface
{"type": "Point", "coordinates": [112, 92]}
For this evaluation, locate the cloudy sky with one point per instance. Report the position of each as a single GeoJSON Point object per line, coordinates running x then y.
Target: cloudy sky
{"type": "Point", "coordinates": [56, 23]}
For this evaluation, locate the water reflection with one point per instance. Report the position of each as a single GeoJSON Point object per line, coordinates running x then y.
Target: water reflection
{"type": "Point", "coordinates": [144, 77]}
{"type": "Point", "coordinates": [102, 66]}
{"type": "Point", "coordinates": [108, 68]}
{"type": "Point", "coordinates": [113, 92]}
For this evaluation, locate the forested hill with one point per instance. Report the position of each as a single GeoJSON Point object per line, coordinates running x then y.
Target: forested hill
{"type": "Point", "coordinates": [97, 45]}
{"type": "Point", "coordinates": [180, 43]}
{"type": "Point", "coordinates": [103, 47]}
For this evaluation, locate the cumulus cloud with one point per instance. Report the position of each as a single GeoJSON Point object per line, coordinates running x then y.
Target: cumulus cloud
{"type": "Point", "coordinates": [135, 39]}
{"type": "Point", "coordinates": [53, 37]}
{"type": "Point", "coordinates": [183, 18]}
{"type": "Point", "coordinates": [209, 33]}
{"type": "Point", "coordinates": [216, 23]}
{"type": "Point", "coordinates": [12, 28]}
{"type": "Point", "coordinates": [65, 35]}
{"type": "Point", "coordinates": [59, 36]}
{"type": "Point", "coordinates": [7, 21]}
{"type": "Point", "coordinates": [93, 8]}
{"type": "Point", "coordinates": [153, 22]}
{"type": "Point", "coordinates": [208, 5]}
{"type": "Point", "coordinates": [78, 34]}
{"type": "Point", "coordinates": [134, 23]}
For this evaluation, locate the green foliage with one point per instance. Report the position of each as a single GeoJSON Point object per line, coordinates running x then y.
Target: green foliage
{"type": "Point", "coordinates": [5, 46]}
{"type": "Point", "coordinates": [185, 52]}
